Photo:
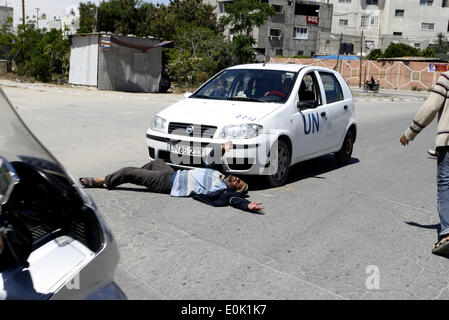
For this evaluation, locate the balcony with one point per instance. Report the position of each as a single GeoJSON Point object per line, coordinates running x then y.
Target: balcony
{"type": "Point", "coordinates": [275, 41]}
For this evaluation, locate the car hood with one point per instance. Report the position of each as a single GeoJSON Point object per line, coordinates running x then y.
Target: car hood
{"type": "Point", "coordinates": [217, 112]}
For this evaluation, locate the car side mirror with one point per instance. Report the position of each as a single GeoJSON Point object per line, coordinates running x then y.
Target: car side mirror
{"type": "Point", "coordinates": [306, 104]}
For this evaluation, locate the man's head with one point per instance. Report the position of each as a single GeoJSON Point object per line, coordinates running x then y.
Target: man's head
{"type": "Point", "coordinates": [236, 184]}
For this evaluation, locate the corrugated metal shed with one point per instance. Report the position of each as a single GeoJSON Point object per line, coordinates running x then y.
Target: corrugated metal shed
{"type": "Point", "coordinates": [113, 62]}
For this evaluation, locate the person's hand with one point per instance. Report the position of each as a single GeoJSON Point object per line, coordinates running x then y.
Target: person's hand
{"type": "Point", "coordinates": [404, 141]}
{"type": "Point", "coordinates": [1, 245]}
{"type": "Point", "coordinates": [254, 206]}
{"type": "Point", "coordinates": [227, 146]}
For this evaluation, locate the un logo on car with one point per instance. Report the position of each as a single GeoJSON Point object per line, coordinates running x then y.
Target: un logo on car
{"type": "Point", "coordinates": [189, 129]}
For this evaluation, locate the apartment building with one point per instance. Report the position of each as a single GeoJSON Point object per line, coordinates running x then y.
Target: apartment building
{"type": "Point", "coordinates": [293, 30]}
{"type": "Point", "coordinates": [413, 22]}
{"type": "Point", "coordinates": [317, 28]}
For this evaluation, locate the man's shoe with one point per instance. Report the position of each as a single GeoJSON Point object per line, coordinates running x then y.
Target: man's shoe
{"type": "Point", "coordinates": [441, 248]}
{"type": "Point", "coordinates": [432, 152]}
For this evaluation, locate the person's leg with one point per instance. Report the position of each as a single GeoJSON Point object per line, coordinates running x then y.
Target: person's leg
{"type": "Point", "coordinates": [155, 181]}
{"type": "Point", "coordinates": [443, 191]}
{"type": "Point", "coordinates": [158, 165]}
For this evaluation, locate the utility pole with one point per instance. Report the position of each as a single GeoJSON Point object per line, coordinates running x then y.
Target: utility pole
{"type": "Point", "coordinates": [339, 48]}
{"type": "Point", "coordinates": [361, 57]}
{"type": "Point", "coordinates": [37, 18]}
{"type": "Point", "coordinates": [23, 12]}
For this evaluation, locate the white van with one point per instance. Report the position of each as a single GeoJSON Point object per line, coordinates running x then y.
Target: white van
{"type": "Point", "coordinates": [276, 115]}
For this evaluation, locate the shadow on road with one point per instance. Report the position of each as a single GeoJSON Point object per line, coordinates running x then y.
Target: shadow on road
{"type": "Point", "coordinates": [424, 226]}
{"type": "Point", "coordinates": [308, 169]}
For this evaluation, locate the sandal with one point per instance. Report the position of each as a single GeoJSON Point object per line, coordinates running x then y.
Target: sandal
{"type": "Point", "coordinates": [90, 183]}
{"type": "Point", "coordinates": [441, 247]}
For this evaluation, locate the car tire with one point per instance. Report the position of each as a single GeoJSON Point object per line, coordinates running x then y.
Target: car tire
{"type": "Point", "coordinates": [343, 155]}
{"type": "Point", "coordinates": [283, 159]}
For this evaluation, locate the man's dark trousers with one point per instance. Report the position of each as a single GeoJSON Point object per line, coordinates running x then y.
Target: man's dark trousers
{"type": "Point", "coordinates": [155, 175]}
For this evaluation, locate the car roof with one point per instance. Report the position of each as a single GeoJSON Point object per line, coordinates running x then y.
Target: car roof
{"type": "Point", "coordinates": [270, 66]}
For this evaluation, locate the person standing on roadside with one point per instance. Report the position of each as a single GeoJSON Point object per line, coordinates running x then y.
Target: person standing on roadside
{"type": "Point", "coordinates": [437, 104]}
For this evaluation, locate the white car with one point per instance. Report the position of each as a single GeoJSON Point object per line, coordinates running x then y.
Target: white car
{"type": "Point", "coordinates": [276, 115]}
{"type": "Point", "coordinates": [54, 243]}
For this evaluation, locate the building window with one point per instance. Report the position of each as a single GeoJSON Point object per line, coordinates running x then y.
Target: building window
{"type": "Point", "coordinates": [344, 1]}
{"type": "Point", "coordinates": [364, 23]}
{"type": "Point", "coordinates": [278, 9]}
{"type": "Point", "coordinates": [397, 33]}
{"type": "Point", "coordinates": [279, 52]}
{"type": "Point", "coordinates": [427, 26]}
{"type": "Point", "coordinates": [399, 13]}
{"type": "Point", "coordinates": [374, 2]}
{"type": "Point", "coordinates": [369, 44]}
{"type": "Point", "coordinates": [275, 34]}
{"type": "Point", "coordinates": [417, 45]}
{"type": "Point", "coordinates": [343, 22]}
{"type": "Point", "coordinates": [426, 2]}
{"type": "Point", "coordinates": [369, 22]}
{"type": "Point", "coordinates": [300, 53]}
{"type": "Point", "coordinates": [306, 10]}
{"type": "Point", "coordinates": [301, 33]}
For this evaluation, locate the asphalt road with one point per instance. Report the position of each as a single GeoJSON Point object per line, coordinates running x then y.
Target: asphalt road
{"type": "Point", "coordinates": [362, 231]}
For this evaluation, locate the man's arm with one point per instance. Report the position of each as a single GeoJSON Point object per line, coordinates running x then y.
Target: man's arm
{"type": "Point", "coordinates": [429, 109]}
{"type": "Point", "coordinates": [233, 199]}
{"type": "Point", "coordinates": [211, 160]}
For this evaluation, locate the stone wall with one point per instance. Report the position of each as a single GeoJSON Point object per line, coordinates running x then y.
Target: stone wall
{"type": "Point", "coordinates": [400, 75]}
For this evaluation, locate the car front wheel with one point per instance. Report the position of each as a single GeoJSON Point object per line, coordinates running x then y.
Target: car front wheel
{"type": "Point", "coordinates": [279, 165]}
{"type": "Point", "coordinates": [343, 155]}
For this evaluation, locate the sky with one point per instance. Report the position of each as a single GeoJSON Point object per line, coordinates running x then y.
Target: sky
{"type": "Point", "coordinates": [51, 8]}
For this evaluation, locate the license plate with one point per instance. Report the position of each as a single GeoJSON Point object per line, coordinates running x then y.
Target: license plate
{"type": "Point", "coordinates": [187, 150]}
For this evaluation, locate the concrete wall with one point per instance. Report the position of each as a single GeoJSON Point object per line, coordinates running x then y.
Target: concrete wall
{"type": "Point", "coordinates": [391, 74]}
{"type": "Point", "coordinates": [5, 13]}
{"type": "Point", "coordinates": [129, 69]}
{"type": "Point", "coordinates": [84, 60]}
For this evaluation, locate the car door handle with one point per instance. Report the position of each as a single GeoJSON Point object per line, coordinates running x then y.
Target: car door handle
{"type": "Point", "coordinates": [345, 107]}
{"type": "Point", "coordinates": [323, 114]}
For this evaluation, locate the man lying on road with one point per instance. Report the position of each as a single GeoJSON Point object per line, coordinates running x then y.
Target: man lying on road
{"type": "Point", "coordinates": [206, 185]}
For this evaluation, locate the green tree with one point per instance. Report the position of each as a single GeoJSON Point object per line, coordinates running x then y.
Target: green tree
{"type": "Point", "coordinates": [242, 48]}
{"type": "Point", "coordinates": [400, 50]}
{"type": "Point", "coordinates": [163, 21]}
{"type": "Point", "coordinates": [199, 53]}
{"type": "Point", "coordinates": [243, 15]}
{"type": "Point", "coordinates": [87, 17]}
{"type": "Point", "coordinates": [441, 47]}
{"type": "Point", "coordinates": [375, 54]}
{"type": "Point", "coordinates": [37, 53]}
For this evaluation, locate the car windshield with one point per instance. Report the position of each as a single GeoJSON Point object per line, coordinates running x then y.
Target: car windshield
{"type": "Point", "coordinates": [249, 85]}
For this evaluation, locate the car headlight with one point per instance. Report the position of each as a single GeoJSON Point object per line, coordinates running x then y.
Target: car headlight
{"type": "Point", "coordinates": [244, 131]}
{"type": "Point", "coordinates": [158, 124]}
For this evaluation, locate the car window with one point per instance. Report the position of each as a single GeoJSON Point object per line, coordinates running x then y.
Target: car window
{"type": "Point", "coordinates": [309, 90]}
{"type": "Point", "coordinates": [332, 87]}
{"type": "Point", "coordinates": [249, 85]}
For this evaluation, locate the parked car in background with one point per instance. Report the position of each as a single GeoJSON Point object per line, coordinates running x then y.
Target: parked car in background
{"type": "Point", "coordinates": [56, 244]}
{"type": "Point", "coordinates": [276, 115]}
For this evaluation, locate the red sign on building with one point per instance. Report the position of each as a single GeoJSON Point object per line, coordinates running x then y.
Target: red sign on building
{"type": "Point", "coordinates": [312, 19]}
